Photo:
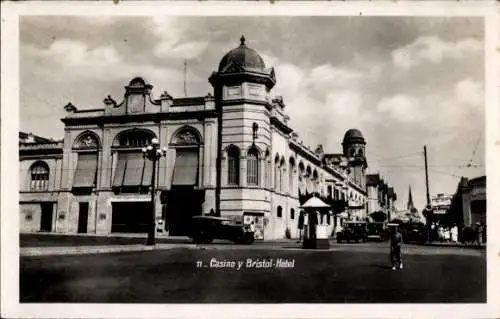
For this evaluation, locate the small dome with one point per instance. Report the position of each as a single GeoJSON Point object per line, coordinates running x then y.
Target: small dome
{"type": "Point", "coordinates": [353, 135]}
{"type": "Point", "coordinates": [137, 81]}
{"type": "Point", "coordinates": [242, 57]}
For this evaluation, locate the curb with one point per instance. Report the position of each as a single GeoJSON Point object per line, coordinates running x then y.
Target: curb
{"type": "Point", "coordinates": [87, 250]}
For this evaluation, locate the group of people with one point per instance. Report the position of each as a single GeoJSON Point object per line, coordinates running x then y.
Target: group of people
{"type": "Point", "coordinates": [447, 234]}
{"type": "Point", "coordinates": [475, 235]}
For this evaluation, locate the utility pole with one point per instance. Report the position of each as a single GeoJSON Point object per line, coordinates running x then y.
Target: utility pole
{"type": "Point", "coordinates": [426, 177]}
{"type": "Point", "coordinates": [428, 211]}
{"type": "Point", "coordinates": [185, 75]}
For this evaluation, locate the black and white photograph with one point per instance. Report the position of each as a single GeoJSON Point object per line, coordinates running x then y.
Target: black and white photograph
{"type": "Point", "coordinates": [176, 157]}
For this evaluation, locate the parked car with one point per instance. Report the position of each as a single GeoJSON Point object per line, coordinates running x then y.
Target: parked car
{"type": "Point", "coordinates": [414, 233]}
{"type": "Point", "coordinates": [204, 229]}
{"type": "Point", "coordinates": [352, 231]}
{"type": "Point", "coordinates": [375, 231]}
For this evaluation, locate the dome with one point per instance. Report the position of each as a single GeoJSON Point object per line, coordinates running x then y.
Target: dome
{"type": "Point", "coordinates": [242, 57]}
{"type": "Point", "coordinates": [353, 135]}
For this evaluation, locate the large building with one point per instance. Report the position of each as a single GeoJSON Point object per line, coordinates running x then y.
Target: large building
{"type": "Point", "coordinates": [468, 204]}
{"type": "Point", "coordinates": [231, 153]}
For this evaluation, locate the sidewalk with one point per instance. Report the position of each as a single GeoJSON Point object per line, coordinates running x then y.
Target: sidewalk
{"type": "Point", "coordinates": [83, 250]}
{"type": "Point", "coordinates": [458, 244]}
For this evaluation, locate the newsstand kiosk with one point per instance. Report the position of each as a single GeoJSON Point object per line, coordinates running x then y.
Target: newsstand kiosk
{"type": "Point", "coordinates": [315, 233]}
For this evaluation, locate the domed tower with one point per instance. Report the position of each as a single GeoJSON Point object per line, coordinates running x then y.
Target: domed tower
{"type": "Point", "coordinates": [241, 90]}
{"type": "Point", "coordinates": [354, 149]}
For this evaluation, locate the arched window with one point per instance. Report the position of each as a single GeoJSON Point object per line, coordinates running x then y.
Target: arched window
{"type": "Point", "coordinates": [137, 138]}
{"type": "Point", "coordinates": [290, 175]}
{"type": "Point", "coordinates": [282, 169]}
{"type": "Point", "coordinates": [279, 212]}
{"type": "Point", "coordinates": [266, 170]}
{"type": "Point", "coordinates": [85, 175]}
{"type": "Point", "coordinates": [39, 176]}
{"type": "Point", "coordinates": [301, 171]}
{"type": "Point", "coordinates": [360, 152]}
{"type": "Point", "coordinates": [277, 174]}
{"type": "Point", "coordinates": [353, 152]}
{"type": "Point", "coordinates": [253, 167]}
{"type": "Point", "coordinates": [233, 165]}
{"type": "Point", "coordinates": [186, 143]}
{"type": "Point", "coordinates": [133, 173]}
{"type": "Point", "coordinates": [292, 213]}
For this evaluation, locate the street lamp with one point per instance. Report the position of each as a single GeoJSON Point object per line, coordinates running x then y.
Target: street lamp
{"type": "Point", "coordinates": [153, 153]}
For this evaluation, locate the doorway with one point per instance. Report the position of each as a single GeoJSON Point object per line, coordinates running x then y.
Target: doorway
{"type": "Point", "coordinates": [131, 217]}
{"type": "Point", "coordinates": [182, 204]}
{"type": "Point", "coordinates": [46, 218]}
{"type": "Point", "coordinates": [83, 216]}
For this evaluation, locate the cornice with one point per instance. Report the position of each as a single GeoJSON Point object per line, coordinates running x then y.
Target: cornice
{"type": "Point", "coordinates": [144, 117]}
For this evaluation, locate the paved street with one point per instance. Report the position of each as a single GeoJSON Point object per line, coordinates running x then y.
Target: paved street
{"type": "Point", "coordinates": [346, 273]}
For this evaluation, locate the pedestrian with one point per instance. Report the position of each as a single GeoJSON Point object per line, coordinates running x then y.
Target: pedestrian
{"type": "Point", "coordinates": [454, 234]}
{"type": "Point", "coordinates": [252, 227]}
{"type": "Point", "coordinates": [301, 225]}
{"type": "Point", "coordinates": [396, 242]}
{"type": "Point", "coordinates": [479, 234]}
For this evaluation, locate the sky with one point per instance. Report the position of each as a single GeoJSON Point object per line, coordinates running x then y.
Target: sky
{"type": "Point", "coordinates": [405, 82]}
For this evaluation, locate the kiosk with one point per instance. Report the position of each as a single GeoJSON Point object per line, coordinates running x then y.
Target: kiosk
{"type": "Point", "coordinates": [317, 230]}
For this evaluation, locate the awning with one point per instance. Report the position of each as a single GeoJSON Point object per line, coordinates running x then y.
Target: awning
{"type": "Point", "coordinates": [314, 202]}
{"type": "Point", "coordinates": [343, 215]}
{"type": "Point", "coordinates": [86, 170]}
{"type": "Point", "coordinates": [121, 166]}
{"type": "Point", "coordinates": [132, 170]}
{"type": "Point", "coordinates": [186, 167]}
{"type": "Point", "coordinates": [148, 173]}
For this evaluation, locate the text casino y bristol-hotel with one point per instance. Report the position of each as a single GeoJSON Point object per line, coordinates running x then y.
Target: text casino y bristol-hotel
{"type": "Point", "coordinates": [230, 153]}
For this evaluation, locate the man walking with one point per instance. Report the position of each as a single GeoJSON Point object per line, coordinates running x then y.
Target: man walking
{"type": "Point", "coordinates": [396, 242]}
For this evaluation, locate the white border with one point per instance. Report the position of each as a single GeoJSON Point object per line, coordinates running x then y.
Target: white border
{"type": "Point", "coordinates": [10, 164]}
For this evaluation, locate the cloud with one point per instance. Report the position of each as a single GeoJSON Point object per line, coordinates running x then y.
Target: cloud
{"type": "Point", "coordinates": [470, 92]}
{"type": "Point", "coordinates": [189, 50]}
{"type": "Point", "coordinates": [171, 43]}
{"type": "Point", "coordinates": [400, 107]}
{"type": "Point", "coordinates": [72, 53]}
{"type": "Point", "coordinates": [71, 59]}
{"type": "Point", "coordinates": [432, 49]}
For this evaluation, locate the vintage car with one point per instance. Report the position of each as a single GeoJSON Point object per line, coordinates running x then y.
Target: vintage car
{"type": "Point", "coordinates": [414, 233]}
{"type": "Point", "coordinates": [352, 231]}
{"type": "Point", "coordinates": [204, 229]}
{"type": "Point", "coordinates": [375, 231]}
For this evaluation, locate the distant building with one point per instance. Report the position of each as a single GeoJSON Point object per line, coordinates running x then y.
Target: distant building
{"type": "Point", "coordinates": [468, 204]}
{"type": "Point", "coordinates": [441, 204]}
{"type": "Point", "coordinates": [380, 198]}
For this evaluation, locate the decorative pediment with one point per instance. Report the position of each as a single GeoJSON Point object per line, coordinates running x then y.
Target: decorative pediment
{"type": "Point", "coordinates": [87, 140]}
{"type": "Point", "coordinates": [186, 137]}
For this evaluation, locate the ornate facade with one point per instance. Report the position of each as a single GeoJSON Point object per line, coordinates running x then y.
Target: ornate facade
{"type": "Point", "coordinates": [231, 153]}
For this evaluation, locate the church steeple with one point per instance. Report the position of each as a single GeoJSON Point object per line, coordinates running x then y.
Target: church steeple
{"type": "Point", "coordinates": [410, 205]}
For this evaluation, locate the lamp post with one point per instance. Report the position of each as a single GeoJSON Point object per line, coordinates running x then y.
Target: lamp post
{"type": "Point", "coordinates": [153, 153]}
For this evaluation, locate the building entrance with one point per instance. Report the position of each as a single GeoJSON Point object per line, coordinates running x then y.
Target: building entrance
{"type": "Point", "coordinates": [131, 217]}
{"type": "Point", "coordinates": [46, 219]}
{"type": "Point", "coordinates": [181, 204]}
{"type": "Point", "coordinates": [83, 216]}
